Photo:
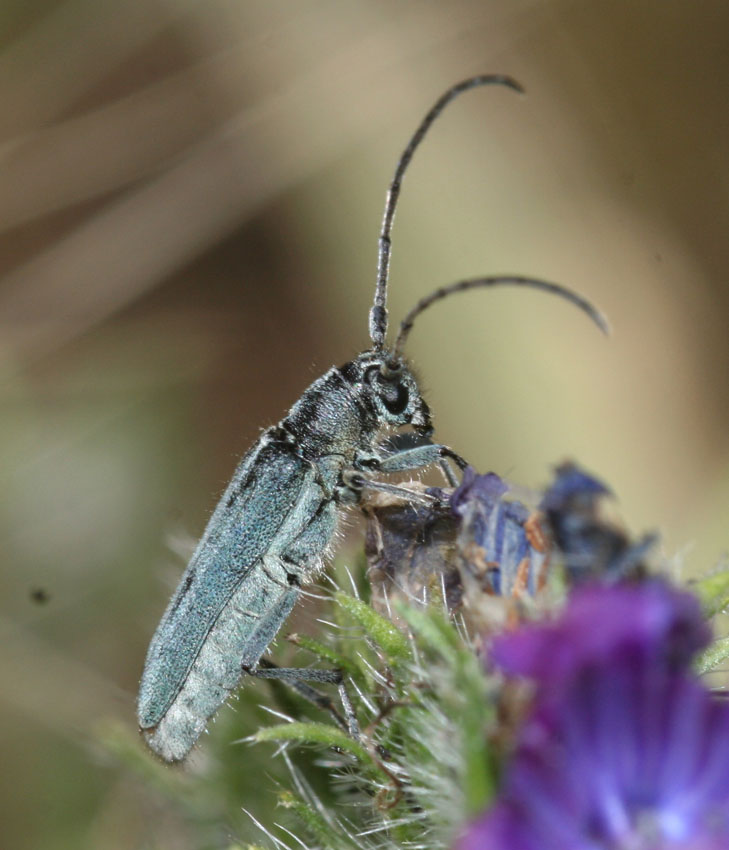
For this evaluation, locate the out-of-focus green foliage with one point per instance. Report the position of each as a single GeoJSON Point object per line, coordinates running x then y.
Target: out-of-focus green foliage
{"type": "Point", "coordinates": [419, 768]}
{"type": "Point", "coordinates": [713, 591]}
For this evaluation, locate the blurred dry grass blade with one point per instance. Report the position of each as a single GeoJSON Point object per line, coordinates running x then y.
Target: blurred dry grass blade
{"type": "Point", "coordinates": [135, 242]}
{"type": "Point", "coordinates": [100, 151]}
{"type": "Point", "coordinates": [70, 49]}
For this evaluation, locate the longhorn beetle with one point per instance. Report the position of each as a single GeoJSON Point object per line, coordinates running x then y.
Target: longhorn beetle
{"type": "Point", "coordinates": [275, 524]}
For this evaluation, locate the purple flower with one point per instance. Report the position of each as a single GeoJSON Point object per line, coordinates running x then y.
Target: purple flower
{"type": "Point", "coordinates": [623, 749]}
{"type": "Point", "coordinates": [647, 619]}
{"type": "Point", "coordinates": [573, 488]}
{"type": "Point", "coordinates": [636, 760]}
{"type": "Point", "coordinates": [590, 545]}
{"type": "Point", "coordinates": [506, 554]}
{"type": "Point", "coordinates": [488, 489]}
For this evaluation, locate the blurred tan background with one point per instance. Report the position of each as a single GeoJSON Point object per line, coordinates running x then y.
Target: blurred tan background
{"type": "Point", "coordinates": [190, 197]}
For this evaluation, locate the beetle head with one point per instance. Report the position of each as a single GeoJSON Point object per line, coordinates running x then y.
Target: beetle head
{"type": "Point", "coordinates": [392, 391]}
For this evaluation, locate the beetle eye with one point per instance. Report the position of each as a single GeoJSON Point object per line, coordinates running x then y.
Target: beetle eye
{"type": "Point", "coordinates": [395, 397]}
{"type": "Point", "coordinates": [393, 393]}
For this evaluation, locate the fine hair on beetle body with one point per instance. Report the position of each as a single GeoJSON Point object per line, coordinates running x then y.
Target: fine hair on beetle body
{"type": "Point", "coordinates": [275, 524]}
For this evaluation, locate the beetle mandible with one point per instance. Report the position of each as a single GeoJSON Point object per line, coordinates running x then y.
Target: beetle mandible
{"type": "Point", "coordinates": [274, 525]}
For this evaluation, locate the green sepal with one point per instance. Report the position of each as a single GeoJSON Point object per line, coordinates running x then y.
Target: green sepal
{"type": "Point", "coordinates": [713, 592]}
{"type": "Point", "coordinates": [469, 702]}
{"type": "Point", "coordinates": [431, 629]}
{"type": "Point", "coordinates": [311, 819]}
{"type": "Point", "coordinates": [387, 636]}
{"type": "Point", "coordinates": [712, 656]}
{"type": "Point", "coordinates": [314, 733]}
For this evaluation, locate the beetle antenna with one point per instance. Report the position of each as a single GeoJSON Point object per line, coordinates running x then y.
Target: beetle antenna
{"type": "Point", "coordinates": [378, 313]}
{"type": "Point", "coordinates": [509, 280]}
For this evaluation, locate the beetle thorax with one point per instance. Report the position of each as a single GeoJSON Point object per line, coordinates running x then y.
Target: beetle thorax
{"type": "Point", "coordinates": [346, 409]}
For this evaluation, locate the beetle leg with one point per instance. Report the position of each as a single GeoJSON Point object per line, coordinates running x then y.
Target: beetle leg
{"type": "Point", "coordinates": [297, 678]}
{"type": "Point", "coordinates": [419, 457]}
{"type": "Point", "coordinates": [353, 483]}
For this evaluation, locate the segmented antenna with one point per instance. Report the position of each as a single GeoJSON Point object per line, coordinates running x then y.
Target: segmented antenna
{"type": "Point", "coordinates": [507, 280]}
{"type": "Point", "coordinates": [378, 313]}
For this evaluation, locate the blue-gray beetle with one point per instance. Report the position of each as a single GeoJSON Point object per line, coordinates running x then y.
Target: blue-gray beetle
{"type": "Point", "coordinates": [274, 526]}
